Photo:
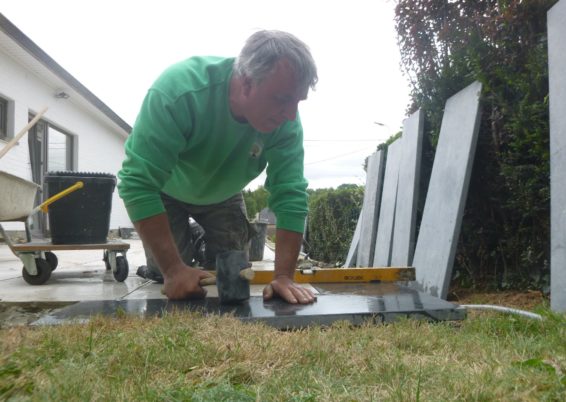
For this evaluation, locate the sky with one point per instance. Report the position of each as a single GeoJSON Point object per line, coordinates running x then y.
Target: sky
{"type": "Point", "coordinates": [118, 48]}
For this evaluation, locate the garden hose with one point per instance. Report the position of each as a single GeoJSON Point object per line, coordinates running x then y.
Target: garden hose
{"type": "Point", "coordinates": [502, 309]}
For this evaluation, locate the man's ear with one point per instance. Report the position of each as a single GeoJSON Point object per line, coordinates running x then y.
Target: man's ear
{"type": "Point", "coordinates": [247, 85]}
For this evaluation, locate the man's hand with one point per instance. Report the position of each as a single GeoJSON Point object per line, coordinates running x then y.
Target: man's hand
{"type": "Point", "coordinates": [287, 249]}
{"type": "Point", "coordinates": [182, 282]}
{"type": "Point", "coordinates": [288, 291]}
{"type": "Point", "coordinates": [179, 280]}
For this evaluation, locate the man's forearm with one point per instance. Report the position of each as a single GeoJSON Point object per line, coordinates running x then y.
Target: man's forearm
{"type": "Point", "coordinates": [156, 235]}
{"type": "Point", "coordinates": [287, 248]}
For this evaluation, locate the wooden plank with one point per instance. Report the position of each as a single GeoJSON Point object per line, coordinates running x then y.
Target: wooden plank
{"type": "Point", "coordinates": [24, 130]}
{"type": "Point", "coordinates": [46, 246]}
{"type": "Point", "coordinates": [343, 275]}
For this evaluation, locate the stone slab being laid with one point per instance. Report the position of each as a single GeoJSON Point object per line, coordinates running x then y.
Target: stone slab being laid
{"type": "Point", "coordinates": [370, 209]}
{"type": "Point", "coordinates": [447, 191]}
{"type": "Point", "coordinates": [386, 222]}
{"type": "Point", "coordinates": [403, 245]}
{"type": "Point", "coordinates": [153, 291]}
{"type": "Point", "coordinates": [557, 86]}
{"type": "Point", "coordinates": [329, 308]}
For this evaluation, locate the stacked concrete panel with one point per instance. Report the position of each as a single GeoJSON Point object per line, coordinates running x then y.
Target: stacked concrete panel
{"type": "Point", "coordinates": [447, 192]}
{"type": "Point", "coordinates": [384, 237]}
{"type": "Point", "coordinates": [407, 191]}
{"type": "Point", "coordinates": [370, 209]}
{"type": "Point", "coordinates": [353, 251]}
{"type": "Point", "coordinates": [557, 85]}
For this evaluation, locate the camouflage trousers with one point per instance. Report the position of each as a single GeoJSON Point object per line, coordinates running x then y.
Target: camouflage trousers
{"type": "Point", "coordinates": [226, 227]}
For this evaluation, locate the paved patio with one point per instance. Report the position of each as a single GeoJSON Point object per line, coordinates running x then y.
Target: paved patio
{"type": "Point", "coordinates": [81, 276]}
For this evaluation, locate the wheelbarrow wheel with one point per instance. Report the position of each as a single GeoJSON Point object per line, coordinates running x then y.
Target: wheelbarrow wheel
{"type": "Point", "coordinates": [122, 269]}
{"type": "Point", "coordinates": [43, 273]}
{"type": "Point", "coordinates": [52, 260]}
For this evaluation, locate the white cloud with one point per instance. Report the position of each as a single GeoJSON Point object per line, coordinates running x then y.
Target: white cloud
{"type": "Point", "coordinates": [116, 49]}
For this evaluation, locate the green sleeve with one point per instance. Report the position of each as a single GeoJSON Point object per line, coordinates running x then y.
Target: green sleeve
{"type": "Point", "coordinates": [288, 198]}
{"type": "Point", "coordinates": [152, 150]}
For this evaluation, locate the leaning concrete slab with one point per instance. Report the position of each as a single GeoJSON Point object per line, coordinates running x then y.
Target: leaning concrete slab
{"type": "Point", "coordinates": [370, 209]}
{"type": "Point", "coordinates": [384, 237]}
{"type": "Point", "coordinates": [353, 251]}
{"type": "Point", "coordinates": [557, 85]}
{"type": "Point", "coordinates": [447, 192]}
{"type": "Point", "coordinates": [408, 191]}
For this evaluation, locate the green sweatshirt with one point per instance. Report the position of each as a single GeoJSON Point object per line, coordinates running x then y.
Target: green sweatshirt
{"type": "Point", "coordinates": [186, 144]}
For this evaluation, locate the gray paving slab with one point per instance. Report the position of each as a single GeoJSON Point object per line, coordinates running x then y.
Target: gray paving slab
{"type": "Point", "coordinates": [557, 86]}
{"type": "Point", "coordinates": [353, 250]}
{"type": "Point", "coordinates": [329, 308]}
{"type": "Point", "coordinates": [386, 222]}
{"type": "Point", "coordinates": [403, 245]}
{"type": "Point", "coordinates": [370, 209]}
{"type": "Point", "coordinates": [447, 192]}
{"type": "Point", "coordinates": [69, 284]}
{"type": "Point", "coordinates": [81, 275]}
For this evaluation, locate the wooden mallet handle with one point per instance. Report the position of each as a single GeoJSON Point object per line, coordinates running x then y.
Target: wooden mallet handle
{"type": "Point", "coordinates": [211, 280]}
{"type": "Point", "coordinates": [246, 273]}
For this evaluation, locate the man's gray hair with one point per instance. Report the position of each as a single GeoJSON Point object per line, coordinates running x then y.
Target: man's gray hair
{"type": "Point", "coordinates": [264, 49]}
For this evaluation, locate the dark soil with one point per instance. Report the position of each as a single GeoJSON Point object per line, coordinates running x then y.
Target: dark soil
{"type": "Point", "coordinates": [523, 300]}
{"type": "Point", "coordinates": [25, 313]}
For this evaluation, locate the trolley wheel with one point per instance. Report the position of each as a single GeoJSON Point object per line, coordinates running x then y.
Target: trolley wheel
{"type": "Point", "coordinates": [52, 260]}
{"type": "Point", "coordinates": [122, 269]}
{"type": "Point", "coordinates": [43, 273]}
{"type": "Point", "coordinates": [106, 261]}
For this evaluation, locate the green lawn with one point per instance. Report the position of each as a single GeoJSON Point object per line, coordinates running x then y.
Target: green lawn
{"type": "Point", "coordinates": [487, 357]}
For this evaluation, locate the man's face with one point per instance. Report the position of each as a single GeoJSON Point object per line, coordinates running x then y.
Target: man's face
{"type": "Point", "coordinates": [274, 100]}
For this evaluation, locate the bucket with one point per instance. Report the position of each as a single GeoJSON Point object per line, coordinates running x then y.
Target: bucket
{"type": "Point", "coordinates": [82, 217]}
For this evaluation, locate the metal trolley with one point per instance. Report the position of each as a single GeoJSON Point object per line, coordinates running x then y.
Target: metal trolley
{"type": "Point", "coordinates": [16, 205]}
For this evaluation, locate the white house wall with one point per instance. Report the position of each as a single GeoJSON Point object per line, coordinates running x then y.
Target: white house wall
{"type": "Point", "coordinates": [99, 143]}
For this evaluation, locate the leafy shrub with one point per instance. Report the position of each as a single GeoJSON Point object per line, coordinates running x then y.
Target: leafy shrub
{"type": "Point", "coordinates": [333, 214]}
{"type": "Point", "coordinates": [255, 200]}
{"type": "Point", "coordinates": [447, 45]}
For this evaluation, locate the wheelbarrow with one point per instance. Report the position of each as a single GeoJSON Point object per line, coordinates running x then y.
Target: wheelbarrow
{"type": "Point", "coordinates": [16, 204]}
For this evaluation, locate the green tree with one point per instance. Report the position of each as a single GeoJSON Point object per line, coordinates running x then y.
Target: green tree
{"type": "Point", "coordinates": [255, 200]}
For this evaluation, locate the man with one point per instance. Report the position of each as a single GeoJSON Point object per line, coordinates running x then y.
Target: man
{"type": "Point", "coordinates": [207, 127]}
